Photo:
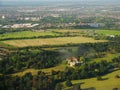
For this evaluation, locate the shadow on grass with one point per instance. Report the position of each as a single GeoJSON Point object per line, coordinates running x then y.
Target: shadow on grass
{"type": "Point", "coordinates": [90, 88]}
{"type": "Point", "coordinates": [80, 83]}
{"type": "Point", "coordinates": [105, 78]}
{"type": "Point", "coordinates": [102, 79]}
{"type": "Point", "coordinates": [72, 87]}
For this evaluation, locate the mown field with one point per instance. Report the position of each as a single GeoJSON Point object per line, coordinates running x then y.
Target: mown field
{"type": "Point", "coordinates": [51, 41]}
{"type": "Point", "coordinates": [108, 83]}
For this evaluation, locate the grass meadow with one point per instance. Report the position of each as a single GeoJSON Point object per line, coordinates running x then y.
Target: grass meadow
{"type": "Point", "coordinates": [51, 41]}
{"type": "Point", "coordinates": [109, 82]}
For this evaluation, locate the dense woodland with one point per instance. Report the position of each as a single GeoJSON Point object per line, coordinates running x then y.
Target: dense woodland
{"type": "Point", "coordinates": [19, 61]}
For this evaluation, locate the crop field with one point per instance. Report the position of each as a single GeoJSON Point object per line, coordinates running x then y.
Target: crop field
{"type": "Point", "coordinates": [51, 41]}
{"type": "Point", "coordinates": [108, 32]}
{"type": "Point", "coordinates": [26, 34]}
{"type": "Point", "coordinates": [108, 83]}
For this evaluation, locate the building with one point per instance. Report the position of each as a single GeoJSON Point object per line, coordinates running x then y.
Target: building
{"type": "Point", "coordinates": [73, 61]}
{"type": "Point", "coordinates": [25, 25]}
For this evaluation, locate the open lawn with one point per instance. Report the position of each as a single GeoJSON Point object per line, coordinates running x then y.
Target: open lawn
{"type": "Point", "coordinates": [51, 41]}
{"type": "Point", "coordinates": [108, 83]}
{"type": "Point", "coordinates": [108, 32]}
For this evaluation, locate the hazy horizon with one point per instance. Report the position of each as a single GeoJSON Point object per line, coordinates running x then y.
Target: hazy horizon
{"type": "Point", "coordinates": [53, 2]}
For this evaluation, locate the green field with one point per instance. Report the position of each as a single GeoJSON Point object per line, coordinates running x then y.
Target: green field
{"type": "Point", "coordinates": [51, 41]}
{"type": "Point", "coordinates": [108, 32]}
{"type": "Point", "coordinates": [26, 34]}
{"type": "Point", "coordinates": [109, 83]}
{"type": "Point", "coordinates": [108, 57]}
{"type": "Point", "coordinates": [31, 34]}
{"type": "Point", "coordinates": [60, 67]}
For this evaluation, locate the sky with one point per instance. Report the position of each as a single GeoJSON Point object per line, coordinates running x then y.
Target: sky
{"type": "Point", "coordinates": [32, 0]}
{"type": "Point", "coordinates": [50, 0]}
{"type": "Point", "coordinates": [35, 2]}
{"type": "Point", "coordinates": [44, 0]}
{"type": "Point", "coordinates": [55, 0]}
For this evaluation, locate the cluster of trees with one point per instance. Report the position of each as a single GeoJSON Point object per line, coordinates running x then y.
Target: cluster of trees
{"type": "Point", "coordinates": [91, 51]}
{"type": "Point", "coordinates": [94, 69]}
{"type": "Point", "coordinates": [19, 61]}
{"type": "Point", "coordinates": [88, 70]}
{"type": "Point", "coordinates": [27, 58]}
{"type": "Point", "coordinates": [41, 81]}
{"type": "Point", "coordinates": [23, 59]}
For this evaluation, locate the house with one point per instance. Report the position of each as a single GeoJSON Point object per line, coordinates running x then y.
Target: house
{"type": "Point", "coordinates": [73, 61]}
